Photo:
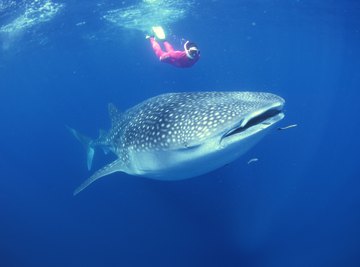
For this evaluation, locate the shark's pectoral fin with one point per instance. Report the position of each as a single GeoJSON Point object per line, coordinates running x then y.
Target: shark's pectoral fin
{"type": "Point", "coordinates": [114, 166]}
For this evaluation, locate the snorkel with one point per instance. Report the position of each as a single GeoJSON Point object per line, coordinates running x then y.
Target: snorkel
{"type": "Point", "coordinates": [190, 49]}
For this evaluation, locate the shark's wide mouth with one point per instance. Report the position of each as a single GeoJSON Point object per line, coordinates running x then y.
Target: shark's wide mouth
{"type": "Point", "coordinates": [265, 118]}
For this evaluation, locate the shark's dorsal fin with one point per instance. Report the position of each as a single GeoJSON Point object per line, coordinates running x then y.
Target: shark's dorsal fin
{"type": "Point", "coordinates": [114, 113]}
{"type": "Point", "coordinates": [115, 166]}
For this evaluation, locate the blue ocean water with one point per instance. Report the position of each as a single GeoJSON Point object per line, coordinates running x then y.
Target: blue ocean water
{"type": "Point", "coordinates": [62, 62]}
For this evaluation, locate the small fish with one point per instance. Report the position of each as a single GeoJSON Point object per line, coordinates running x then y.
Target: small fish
{"type": "Point", "coordinates": [252, 160]}
{"type": "Point", "coordinates": [81, 23]}
{"type": "Point", "coordinates": [287, 127]}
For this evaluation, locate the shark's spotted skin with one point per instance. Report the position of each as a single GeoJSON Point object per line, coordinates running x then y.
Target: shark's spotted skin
{"type": "Point", "coordinates": [169, 136]}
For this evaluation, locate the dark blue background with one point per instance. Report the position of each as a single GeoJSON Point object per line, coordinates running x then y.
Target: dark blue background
{"type": "Point", "coordinates": [299, 205]}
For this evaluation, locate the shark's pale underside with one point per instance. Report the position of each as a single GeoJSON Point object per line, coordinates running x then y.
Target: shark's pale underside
{"type": "Point", "coordinates": [181, 135]}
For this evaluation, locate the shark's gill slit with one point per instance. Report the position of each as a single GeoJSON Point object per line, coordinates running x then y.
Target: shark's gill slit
{"type": "Point", "coordinates": [255, 121]}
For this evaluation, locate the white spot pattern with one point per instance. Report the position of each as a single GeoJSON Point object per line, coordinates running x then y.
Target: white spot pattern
{"type": "Point", "coordinates": [171, 120]}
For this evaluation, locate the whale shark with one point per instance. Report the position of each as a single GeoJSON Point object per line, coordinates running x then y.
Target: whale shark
{"type": "Point", "coordinates": [176, 136]}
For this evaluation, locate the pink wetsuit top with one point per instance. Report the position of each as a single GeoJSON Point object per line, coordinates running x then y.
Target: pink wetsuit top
{"type": "Point", "coordinates": [171, 56]}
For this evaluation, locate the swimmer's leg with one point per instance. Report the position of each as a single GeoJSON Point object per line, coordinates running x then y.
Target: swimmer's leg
{"type": "Point", "coordinates": [168, 47]}
{"type": "Point", "coordinates": [156, 47]}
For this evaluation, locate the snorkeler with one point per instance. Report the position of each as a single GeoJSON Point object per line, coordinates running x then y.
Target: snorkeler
{"type": "Point", "coordinates": [182, 59]}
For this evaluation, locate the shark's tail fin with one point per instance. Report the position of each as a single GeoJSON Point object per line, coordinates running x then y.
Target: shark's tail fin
{"type": "Point", "coordinates": [87, 143]}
